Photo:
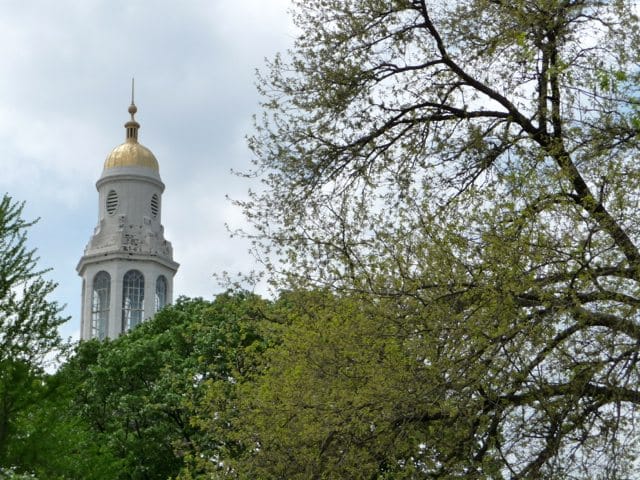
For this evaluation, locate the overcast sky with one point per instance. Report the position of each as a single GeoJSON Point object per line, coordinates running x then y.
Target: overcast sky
{"type": "Point", "coordinates": [65, 75]}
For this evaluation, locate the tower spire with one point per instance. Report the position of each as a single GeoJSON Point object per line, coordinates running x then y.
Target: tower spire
{"type": "Point", "coordinates": [127, 267]}
{"type": "Point", "coordinates": [132, 126]}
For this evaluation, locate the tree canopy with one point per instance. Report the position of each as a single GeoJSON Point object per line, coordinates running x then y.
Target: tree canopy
{"type": "Point", "coordinates": [469, 168]}
{"type": "Point", "coordinates": [157, 402]}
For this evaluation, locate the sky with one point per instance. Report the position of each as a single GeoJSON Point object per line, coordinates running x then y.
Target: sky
{"type": "Point", "coordinates": [65, 82]}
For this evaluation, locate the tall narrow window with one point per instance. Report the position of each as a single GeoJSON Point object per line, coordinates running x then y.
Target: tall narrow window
{"type": "Point", "coordinates": [112, 202]}
{"type": "Point", "coordinates": [100, 305]}
{"type": "Point", "coordinates": [132, 299]}
{"type": "Point", "coordinates": [155, 205]}
{"type": "Point", "coordinates": [161, 292]}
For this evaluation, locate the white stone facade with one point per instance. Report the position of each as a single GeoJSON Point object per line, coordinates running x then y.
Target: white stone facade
{"type": "Point", "coordinates": [129, 237]}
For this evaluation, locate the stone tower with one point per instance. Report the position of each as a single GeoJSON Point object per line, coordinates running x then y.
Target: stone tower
{"type": "Point", "coordinates": [127, 268]}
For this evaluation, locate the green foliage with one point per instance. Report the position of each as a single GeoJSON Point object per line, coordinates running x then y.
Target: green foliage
{"type": "Point", "coordinates": [28, 328]}
{"type": "Point", "coordinates": [11, 474]}
{"type": "Point", "coordinates": [228, 347]}
{"type": "Point", "coordinates": [465, 172]}
{"type": "Point", "coordinates": [141, 396]}
{"type": "Point", "coordinates": [343, 397]}
{"type": "Point", "coordinates": [28, 321]}
{"type": "Point", "coordinates": [55, 442]}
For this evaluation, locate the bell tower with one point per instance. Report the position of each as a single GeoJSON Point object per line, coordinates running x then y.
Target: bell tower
{"type": "Point", "coordinates": [127, 268]}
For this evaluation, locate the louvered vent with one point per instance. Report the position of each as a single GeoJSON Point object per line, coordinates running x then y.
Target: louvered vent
{"type": "Point", "coordinates": [112, 202]}
{"type": "Point", "coordinates": [155, 205]}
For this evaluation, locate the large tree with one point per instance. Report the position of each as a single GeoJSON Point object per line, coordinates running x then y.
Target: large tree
{"type": "Point", "coordinates": [157, 402]}
{"type": "Point", "coordinates": [470, 166]}
{"type": "Point", "coordinates": [29, 324]}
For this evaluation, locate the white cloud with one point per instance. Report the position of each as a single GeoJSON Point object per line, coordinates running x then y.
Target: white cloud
{"type": "Point", "coordinates": [64, 89]}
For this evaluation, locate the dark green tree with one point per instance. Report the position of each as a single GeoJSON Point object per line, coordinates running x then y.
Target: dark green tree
{"type": "Point", "coordinates": [28, 325]}
{"type": "Point", "coordinates": [470, 167]}
{"type": "Point", "coordinates": [146, 396]}
{"type": "Point", "coordinates": [55, 442]}
{"type": "Point", "coordinates": [236, 331]}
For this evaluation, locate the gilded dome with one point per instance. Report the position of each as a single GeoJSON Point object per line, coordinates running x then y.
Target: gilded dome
{"type": "Point", "coordinates": [131, 154]}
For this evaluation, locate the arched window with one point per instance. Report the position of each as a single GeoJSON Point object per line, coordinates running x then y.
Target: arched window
{"type": "Point", "coordinates": [100, 298]}
{"type": "Point", "coordinates": [132, 299]}
{"type": "Point", "coordinates": [161, 292]}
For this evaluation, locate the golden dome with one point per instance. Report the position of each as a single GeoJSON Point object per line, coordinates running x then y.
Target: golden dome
{"type": "Point", "coordinates": [131, 154]}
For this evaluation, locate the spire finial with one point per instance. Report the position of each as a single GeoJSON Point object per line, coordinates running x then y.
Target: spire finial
{"type": "Point", "coordinates": [132, 108]}
{"type": "Point", "coordinates": [132, 126]}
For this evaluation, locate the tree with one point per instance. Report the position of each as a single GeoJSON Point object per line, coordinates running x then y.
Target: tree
{"type": "Point", "coordinates": [129, 391]}
{"type": "Point", "coordinates": [54, 441]}
{"type": "Point", "coordinates": [229, 345]}
{"type": "Point", "coordinates": [157, 400]}
{"type": "Point", "coordinates": [28, 323]}
{"type": "Point", "coordinates": [332, 392]}
{"type": "Point", "coordinates": [469, 165]}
